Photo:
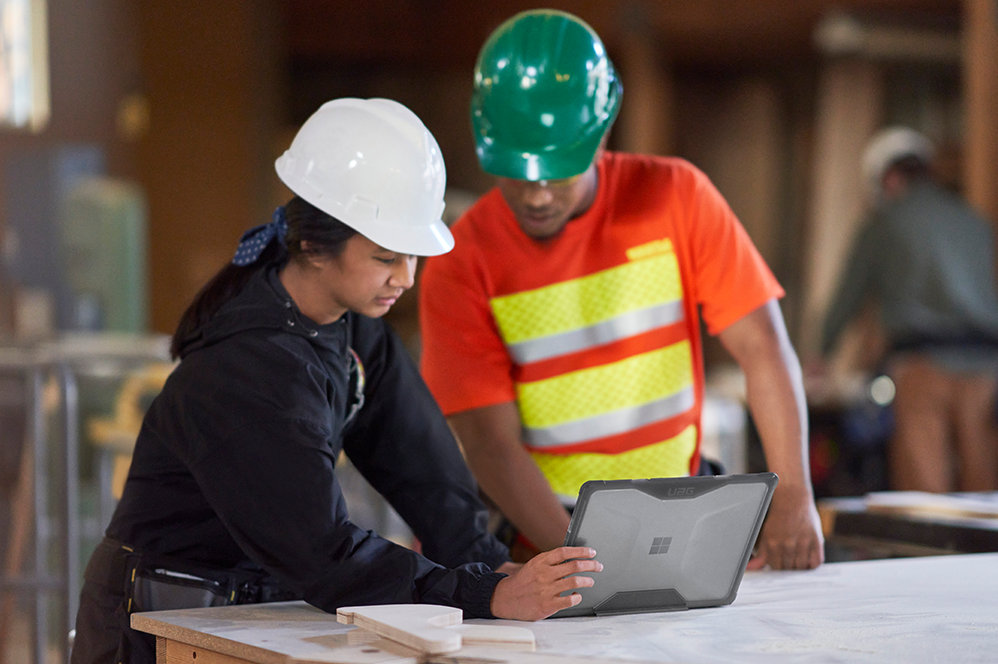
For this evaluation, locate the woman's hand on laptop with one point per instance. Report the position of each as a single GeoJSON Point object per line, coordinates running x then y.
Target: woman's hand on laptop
{"type": "Point", "coordinates": [535, 590]}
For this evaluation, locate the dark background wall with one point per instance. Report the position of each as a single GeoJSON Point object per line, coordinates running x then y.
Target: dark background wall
{"type": "Point", "coordinates": [194, 101]}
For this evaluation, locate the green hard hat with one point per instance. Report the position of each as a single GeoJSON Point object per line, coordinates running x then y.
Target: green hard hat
{"type": "Point", "coordinates": [544, 95]}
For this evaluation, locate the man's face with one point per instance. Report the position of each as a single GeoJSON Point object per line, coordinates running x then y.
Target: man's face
{"type": "Point", "coordinates": [543, 208]}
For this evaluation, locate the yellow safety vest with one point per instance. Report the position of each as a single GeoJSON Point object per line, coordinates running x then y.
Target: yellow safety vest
{"type": "Point", "coordinates": [612, 399]}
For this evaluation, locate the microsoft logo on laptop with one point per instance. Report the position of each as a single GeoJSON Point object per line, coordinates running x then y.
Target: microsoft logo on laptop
{"type": "Point", "coordinates": [660, 545]}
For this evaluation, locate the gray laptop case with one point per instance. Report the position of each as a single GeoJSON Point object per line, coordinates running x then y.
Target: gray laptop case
{"type": "Point", "coordinates": [668, 544]}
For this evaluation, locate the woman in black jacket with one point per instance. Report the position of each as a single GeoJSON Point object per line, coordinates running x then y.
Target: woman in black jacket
{"type": "Point", "coordinates": [285, 362]}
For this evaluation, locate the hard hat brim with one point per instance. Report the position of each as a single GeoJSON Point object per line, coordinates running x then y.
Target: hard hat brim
{"type": "Point", "coordinates": [430, 239]}
{"type": "Point", "coordinates": [565, 162]}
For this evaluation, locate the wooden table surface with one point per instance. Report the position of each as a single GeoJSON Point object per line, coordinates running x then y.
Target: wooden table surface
{"type": "Point", "coordinates": [911, 610]}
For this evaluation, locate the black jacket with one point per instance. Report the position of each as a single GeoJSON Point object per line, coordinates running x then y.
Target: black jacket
{"type": "Point", "coordinates": [234, 465]}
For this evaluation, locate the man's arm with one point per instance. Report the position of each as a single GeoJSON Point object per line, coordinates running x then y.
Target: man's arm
{"type": "Point", "coordinates": [791, 537]}
{"type": "Point", "coordinates": [504, 469]}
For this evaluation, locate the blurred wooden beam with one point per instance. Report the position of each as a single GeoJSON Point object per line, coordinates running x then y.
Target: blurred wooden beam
{"type": "Point", "coordinates": [647, 117]}
{"type": "Point", "coordinates": [850, 99]}
{"type": "Point", "coordinates": [211, 77]}
{"type": "Point", "coordinates": [448, 33]}
{"type": "Point", "coordinates": [981, 100]}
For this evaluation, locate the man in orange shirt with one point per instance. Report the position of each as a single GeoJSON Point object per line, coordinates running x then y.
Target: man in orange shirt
{"type": "Point", "coordinates": [561, 336]}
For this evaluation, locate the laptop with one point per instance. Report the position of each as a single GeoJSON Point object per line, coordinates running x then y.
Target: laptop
{"type": "Point", "coordinates": [667, 544]}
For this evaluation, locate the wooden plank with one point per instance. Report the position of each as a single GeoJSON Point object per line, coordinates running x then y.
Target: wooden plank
{"type": "Point", "coordinates": [495, 656]}
{"type": "Point", "coordinates": [504, 636]}
{"type": "Point", "coordinates": [174, 652]}
{"type": "Point", "coordinates": [419, 626]}
{"type": "Point", "coordinates": [295, 633]}
{"type": "Point", "coordinates": [190, 641]}
{"type": "Point", "coordinates": [932, 504]}
{"type": "Point", "coordinates": [433, 629]}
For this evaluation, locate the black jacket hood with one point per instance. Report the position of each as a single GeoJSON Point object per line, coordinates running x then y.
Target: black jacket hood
{"type": "Point", "coordinates": [263, 304]}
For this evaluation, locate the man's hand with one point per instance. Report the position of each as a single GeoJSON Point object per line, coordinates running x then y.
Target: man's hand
{"type": "Point", "coordinates": [509, 568]}
{"type": "Point", "coordinates": [535, 590]}
{"type": "Point", "coordinates": [791, 536]}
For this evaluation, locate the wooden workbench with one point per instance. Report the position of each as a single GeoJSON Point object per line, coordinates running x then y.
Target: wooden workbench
{"type": "Point", "coordinates": [894, 524]}
{"type": "Point", "coordinates": [911, 610]}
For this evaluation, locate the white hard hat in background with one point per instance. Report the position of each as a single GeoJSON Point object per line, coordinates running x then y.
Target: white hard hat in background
{"type": "Point", "coordinates": [372, 164]}
{"type": "Point", "coordinates": [890, 145]}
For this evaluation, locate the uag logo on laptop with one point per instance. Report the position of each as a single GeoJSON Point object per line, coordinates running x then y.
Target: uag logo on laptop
{"type": "Point", "coordinates": [660, 545]}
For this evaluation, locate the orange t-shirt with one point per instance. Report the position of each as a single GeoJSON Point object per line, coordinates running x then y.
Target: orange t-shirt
{"type": "Point", "coordinates": [644, 207]}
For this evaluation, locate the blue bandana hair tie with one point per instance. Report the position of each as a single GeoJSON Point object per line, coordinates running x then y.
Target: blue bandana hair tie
{"type": "Point", "coordinates": [256, 239]}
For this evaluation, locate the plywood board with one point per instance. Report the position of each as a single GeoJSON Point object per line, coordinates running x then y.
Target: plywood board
{"type": "Point", "coordinates": [293, 632]}
{"type": "Point", "coordinates": [934, 504]}
{"type": "Point", "coordinates": [174, 652]}
{"type": "Point", "coordinates": [433, 629]}
{"type": "Point", "coordinates": [419, 626]}
{"type": "Point", "coordinates": [501, 636]}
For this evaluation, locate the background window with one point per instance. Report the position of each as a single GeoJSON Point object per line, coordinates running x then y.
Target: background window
{"type": "Point", "coordinates": [24, 89]}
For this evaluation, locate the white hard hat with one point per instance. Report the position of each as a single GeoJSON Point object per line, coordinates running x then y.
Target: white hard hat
{"type": "Point", "coordinates": [372, 164]}
{"type": "Point", "coordinates": [889, 146]}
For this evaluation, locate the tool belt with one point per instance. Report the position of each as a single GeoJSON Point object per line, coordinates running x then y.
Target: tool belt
{"type": "Point", "coordinates": [929, 342]}
{"type": "Point", "coordinates": [153, 582]}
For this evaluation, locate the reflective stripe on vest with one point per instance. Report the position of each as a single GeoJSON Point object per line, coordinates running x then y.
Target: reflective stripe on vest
{"type": "Point", "coordinates": [570, 316]}
{"type": "Point", "coordinates": [567, 472]}
{"type": "Point", "coordinates": [626, 390]}
{"type": "Point", "coordinates": [609, 399]}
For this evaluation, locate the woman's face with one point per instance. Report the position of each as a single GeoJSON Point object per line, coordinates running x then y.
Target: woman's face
{"type": "Point", "coordinates": [365, 278]}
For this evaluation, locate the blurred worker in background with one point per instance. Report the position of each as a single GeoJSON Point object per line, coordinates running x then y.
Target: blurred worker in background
{"type": "Point", "coordinates": [927, 261]}
{"type": "Point", "coordinates": [232, 495]}
{"type": "Point", "coordinates": [562, 335]}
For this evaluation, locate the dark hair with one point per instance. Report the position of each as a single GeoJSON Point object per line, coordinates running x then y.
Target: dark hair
{"type": "Point", "coordinates": [310, 232]}
{"type": "Point", "coordinates": [911, 167]}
